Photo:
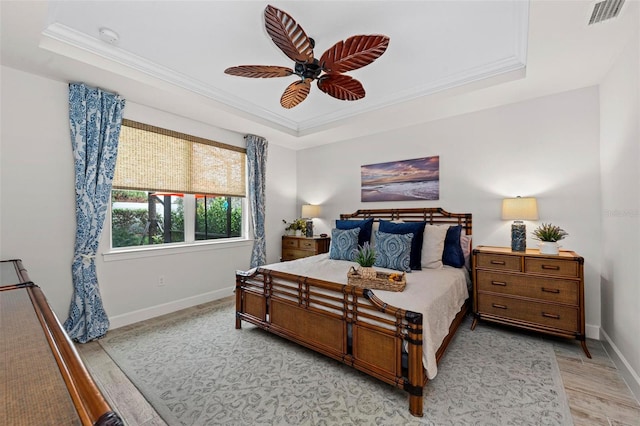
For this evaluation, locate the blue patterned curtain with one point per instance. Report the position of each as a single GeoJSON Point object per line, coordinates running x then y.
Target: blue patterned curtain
{"type": "Point", "coordinates": [94, 118]}
{"type": "Point", "coordinates": [257, 164]}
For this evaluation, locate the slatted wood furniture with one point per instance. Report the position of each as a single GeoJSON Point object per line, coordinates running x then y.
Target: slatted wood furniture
{"type": "Point", "coordinates": [346, 323]}
{"type": "Point", "coordinates": [299, 247]}
{"type": "Point", "coordinates": [538, 292]}
{"type": "Point", "coordinates": [46, 383]}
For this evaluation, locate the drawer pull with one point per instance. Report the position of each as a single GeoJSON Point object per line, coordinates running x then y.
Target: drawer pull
{"type": "Point", "coordinates": [544, 314]}
{"type": "Point", "coordinates": [497, 262]}
{"type": "Point", "coordinates": [503, 284]}
{"type": "Point", "coordinates": [495, 305]}
{"type": "Point", "coordinates": [551, 290]}
{"type": "Point", "coordinates": [551, 267]}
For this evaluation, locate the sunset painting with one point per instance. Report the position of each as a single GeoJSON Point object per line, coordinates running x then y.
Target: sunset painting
{"type": "Point", "coordinates": [417, 179]}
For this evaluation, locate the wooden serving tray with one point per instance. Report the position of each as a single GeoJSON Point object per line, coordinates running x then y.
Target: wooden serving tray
{"type": "Point", "coordinates": [395, 281]}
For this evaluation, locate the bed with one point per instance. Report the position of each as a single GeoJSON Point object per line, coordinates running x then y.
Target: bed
{"type": "Point", "coordinates": [393, 336]}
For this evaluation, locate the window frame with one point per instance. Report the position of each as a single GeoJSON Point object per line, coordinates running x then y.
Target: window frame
{"type": "Point", "coordinates": [189, 245]}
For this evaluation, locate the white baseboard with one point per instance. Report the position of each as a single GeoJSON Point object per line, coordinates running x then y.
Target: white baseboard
{"type": "Point", "coordinates": [167, 308]}
{"type": "Point", "coordinates": [626, 371]}
{"type": "Point", "coordinates": [592, 331]}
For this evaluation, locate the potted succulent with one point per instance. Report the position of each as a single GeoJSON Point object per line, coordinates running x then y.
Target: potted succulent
{"type": "Point", "coordinates": [366, 257]}
{"type": "Point", "coordinates": [298, 226]}
{"type": "Point", "coordinates": [549, 235]}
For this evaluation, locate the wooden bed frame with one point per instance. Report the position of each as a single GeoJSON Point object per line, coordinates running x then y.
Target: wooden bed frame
{"type": "Point", "coordinates": [49, 383]}
{"type": "Point", "coordinates": [347, 323]}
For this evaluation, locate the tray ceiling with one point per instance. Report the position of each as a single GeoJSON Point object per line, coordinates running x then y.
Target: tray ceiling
{"type": "Point", "coordinates": [444, 57]}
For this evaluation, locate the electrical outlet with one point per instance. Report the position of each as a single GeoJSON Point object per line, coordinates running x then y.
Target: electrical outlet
{"type": "Point", "coordinates": [161, 281]}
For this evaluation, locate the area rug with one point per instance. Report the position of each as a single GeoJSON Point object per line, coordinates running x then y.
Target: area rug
{"type": "Point", "coordinates": [195, 368]}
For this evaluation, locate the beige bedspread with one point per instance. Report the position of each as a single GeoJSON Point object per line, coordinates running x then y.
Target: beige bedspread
{"type": "Point", "coordinates": [438, 294]}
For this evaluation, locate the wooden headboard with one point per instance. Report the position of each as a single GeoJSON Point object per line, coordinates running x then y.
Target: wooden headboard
{"type": "Point", "coordinates": [431, 215]}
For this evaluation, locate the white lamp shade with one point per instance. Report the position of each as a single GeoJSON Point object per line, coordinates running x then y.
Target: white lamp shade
{"type": "Point", "coordinates": [310, 211]}
{"type": "Point", "coordinates": [520, 208]}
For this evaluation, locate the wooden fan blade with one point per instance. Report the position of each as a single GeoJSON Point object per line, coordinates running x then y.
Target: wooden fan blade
{"type": "Point", "coordinates": [288, 35]}
{"type": "Point", "coordinates": [353, 53]}
{"type": "Point", "coordinates": [259, 71]}
{"type": "Point", "coordinates": [341, 86]}
{"type": "Point", "coordinates": [295, 93]}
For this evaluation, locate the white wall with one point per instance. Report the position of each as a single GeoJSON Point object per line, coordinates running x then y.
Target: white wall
{"type": "Point", "coordinates": [547, 148]}
{"type": "Point", "coordinates": [38, 207]}
{"type": "Point", "coordinates": [620, 164]}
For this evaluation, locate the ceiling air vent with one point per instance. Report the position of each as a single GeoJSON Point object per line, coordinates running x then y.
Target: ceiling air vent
{"type": "Point", "coordinates": [605, 10]}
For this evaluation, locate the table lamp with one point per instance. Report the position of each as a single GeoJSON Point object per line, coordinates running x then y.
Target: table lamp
{"type": "Point", "coordinates": [519, 209]}
{"type": "Point", "coordinates": [309, 211]}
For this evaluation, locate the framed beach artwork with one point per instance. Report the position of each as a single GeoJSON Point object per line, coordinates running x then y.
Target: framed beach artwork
{"type": "Point", "coordinates": [407, 180]}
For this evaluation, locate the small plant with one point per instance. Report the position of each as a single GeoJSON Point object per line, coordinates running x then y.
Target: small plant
{"type": "Point", "coordinates": [549, 232]}
{"type": "Point", "coordinates": [366, 256]}
{"type": "Point", "coordinates": [298, 224]}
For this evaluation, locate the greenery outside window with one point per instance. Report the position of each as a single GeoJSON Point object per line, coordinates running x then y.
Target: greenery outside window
{"type": "Point", "coordinates": [156, 196]}
{"type": "Point", "coordinates": [218, 217]}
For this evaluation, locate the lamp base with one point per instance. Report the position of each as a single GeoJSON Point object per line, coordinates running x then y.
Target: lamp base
{"type": "Point", "coordinates": [518, 236]}
{"type": "Point", "coordinates": [309, 229]}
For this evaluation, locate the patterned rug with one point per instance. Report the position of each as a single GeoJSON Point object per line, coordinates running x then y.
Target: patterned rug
{"type": "Point", "coordinates": [195, 368]}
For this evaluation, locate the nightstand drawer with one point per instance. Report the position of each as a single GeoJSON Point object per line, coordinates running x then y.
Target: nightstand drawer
{"type": "Point", "coordinates": [290, 243]}
{"type": "Point", "coordinates": [498, 261]}
{"type": "Point", "coordinates": [544, 314]}
{"type": "Point", "coordinates": [551, 267]}
{"type": "Point", "coordinates": [307, 244]}
{"type": "Point", "coordinates": [547, 289]}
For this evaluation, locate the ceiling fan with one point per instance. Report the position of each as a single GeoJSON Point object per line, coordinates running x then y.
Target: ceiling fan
{"type": "Point", "coordinates": [350, 54]}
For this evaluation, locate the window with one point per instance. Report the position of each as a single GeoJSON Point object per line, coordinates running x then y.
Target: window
{"type": "Point", "coordinates": [218, 217]}
{"type": "Point", "coordinates": [175, 188]}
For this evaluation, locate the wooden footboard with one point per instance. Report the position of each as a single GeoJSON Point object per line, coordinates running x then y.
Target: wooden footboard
{"type": "Point", "coordinates": [346, 323]}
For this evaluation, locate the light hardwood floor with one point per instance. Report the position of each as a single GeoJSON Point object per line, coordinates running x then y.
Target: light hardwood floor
{"type": "Point", "coordinates": [596, 392]}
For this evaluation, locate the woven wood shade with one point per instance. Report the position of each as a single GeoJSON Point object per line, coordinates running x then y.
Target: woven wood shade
{"type": "Point", "coordinates": [155, 159]}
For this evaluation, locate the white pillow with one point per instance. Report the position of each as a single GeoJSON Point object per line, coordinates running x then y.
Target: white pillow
{"type": "Point", "coordinates": [465, 243]}
{"type": "Point", "coordinates": [433, 246]}
{"type": "Point", "coordinates": [374, 229]}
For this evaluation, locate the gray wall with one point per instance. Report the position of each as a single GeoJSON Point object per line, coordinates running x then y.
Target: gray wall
{"type": "Point", "coordinates": [620, 164]}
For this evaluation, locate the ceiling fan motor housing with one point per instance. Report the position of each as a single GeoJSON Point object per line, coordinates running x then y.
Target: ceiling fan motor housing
{"type": "Point", "coordinates": [310, 70]}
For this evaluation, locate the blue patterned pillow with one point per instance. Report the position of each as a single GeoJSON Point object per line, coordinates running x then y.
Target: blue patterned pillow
{"type": "Point", "coordinates": [417, 229]}
{"type": "Point", "coordinates": [452, 254]}
{"type": "Point", "coordinates": [393, 251]}
{"type": "Point", "coordinates": [344, 244]}
{"type": "Point", "coordinates": [364, 225]}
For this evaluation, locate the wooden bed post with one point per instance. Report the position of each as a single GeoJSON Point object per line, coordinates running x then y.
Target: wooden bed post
{"type": "Point", "coordinates": [415, 376]}
{"type": "Point", "coordinates": [238, 299]}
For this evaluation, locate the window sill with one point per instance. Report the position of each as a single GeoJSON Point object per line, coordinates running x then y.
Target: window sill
{"type": "Point", "coordinates": [172, 249]}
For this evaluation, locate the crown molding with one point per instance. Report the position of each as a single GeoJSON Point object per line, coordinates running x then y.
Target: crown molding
{"type": "Point", "coordinates": [66, 41]}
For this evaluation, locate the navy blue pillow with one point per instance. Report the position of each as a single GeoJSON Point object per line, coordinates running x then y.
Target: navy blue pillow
{"type": "Point", "coordinates": [415, 228]}
{"type": "Point", "coordinates": [453, 254]}
{"type": "Point", "coordinates": [364, 225]}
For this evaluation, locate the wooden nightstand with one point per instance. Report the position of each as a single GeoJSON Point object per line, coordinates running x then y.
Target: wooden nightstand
{"type": "Point", "coordinates": [538, 292]}
{"type": "Point", "coordinates": [298, 247]}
